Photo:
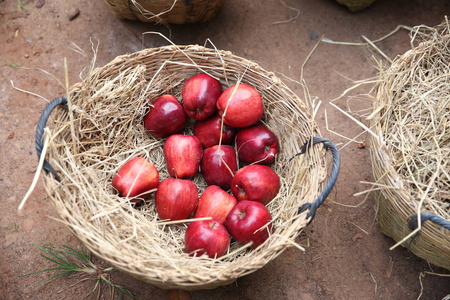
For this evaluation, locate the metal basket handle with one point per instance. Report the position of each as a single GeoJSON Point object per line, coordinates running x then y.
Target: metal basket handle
{"type": "Point", "coordinates": [413, 224]}
{"type": "Point", "coordinates": [40, 131]}
{"type": "Point", "coordinates": [336, 165]}
{"type": "Point", "coordinates": [429, 216]}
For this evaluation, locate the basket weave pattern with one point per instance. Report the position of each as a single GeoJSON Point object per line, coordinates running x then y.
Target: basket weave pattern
{"type": "Point", "coordinates": [399, 197]}
{"type": "Point", "coordinates": [89, 144]}
{"type": "Point", "coordinates": [165, 11]}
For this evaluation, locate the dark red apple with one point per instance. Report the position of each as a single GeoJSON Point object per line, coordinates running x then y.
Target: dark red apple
{"type": "Point", "coordinates": [240, 105]}
{"type": "Point", "coordinates": [200, 94]}
{"type": "Point", "coordinates": [208, 237]}
{"type": "Point", "coordinates": [256, 144]}
{"type": "Point", "coordinates": [215, 203]}
{"type": "Point", "coordinates": [256, 183]}
{"type": "Point", "coordinates": [209, 131]}
{"type": "Point", "coordinates": [218, 165]}
{"type": "Point", "coordinates": [136, 179]}
{"type": "Point", "coordinates": [247, 222]}
{"type": "Point", "coordinates": [165, 117]}
{"type": "Point", "coordinates": [176, 199]}
{"type": "Point", "coordinates": [183, 154]}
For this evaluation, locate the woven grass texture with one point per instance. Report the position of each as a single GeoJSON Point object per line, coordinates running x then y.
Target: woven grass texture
{"type": "Point", "coordinates": [104, 129]}
{"type": "Point", "coordinates": [165, 11]}
{"type": "Point", "coordinates": [411, 152]}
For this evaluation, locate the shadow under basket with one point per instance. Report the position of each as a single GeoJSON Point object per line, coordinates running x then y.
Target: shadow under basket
{"type": "Point", "coordinates": [410, 147]}
{"type": "Point", "coordinates": [100, 127]}
{"type": "Point", "coordinates": [165, 11]}
{"type": "Point", "coordinates": [356, 5]}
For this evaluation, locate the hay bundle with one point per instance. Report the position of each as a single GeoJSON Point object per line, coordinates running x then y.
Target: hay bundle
{"type": "Point", "coordinates": [411, 150]}
{"type": "Point", "coordinates": [104, 129]}
{"type": "Point", "coordinates": [165, 11]}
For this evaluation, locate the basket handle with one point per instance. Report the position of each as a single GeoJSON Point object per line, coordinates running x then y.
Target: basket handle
{"type": "Point", "coordinates": [429, 216]}
{"type": "Point", "coordinates": [336, 165]}
{"type": "Point", "coordinates": [413, 224]}
{"type": "Point", "coordinates": [40, 130]}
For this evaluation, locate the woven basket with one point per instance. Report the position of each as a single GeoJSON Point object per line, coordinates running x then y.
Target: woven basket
{"type": "Point", "coordinates": [409, 179]}
{"type": "Point", "coordinates": [356, 5]}
{"type": "Point", "coordinates": [165, 11]}
{"type": "Point", "coordinates": [84, 153]}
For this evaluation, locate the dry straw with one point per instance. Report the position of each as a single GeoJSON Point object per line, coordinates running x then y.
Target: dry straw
{"type": "Point", "coordinates": [411, 145]}
{"type": "Point", "coordinates": [166, 11]}
{"type": "Point", "coordinates": [107, 111]}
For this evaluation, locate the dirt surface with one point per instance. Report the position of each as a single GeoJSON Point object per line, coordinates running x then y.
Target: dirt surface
{"type": "Point", "coordinates": [347, 257]}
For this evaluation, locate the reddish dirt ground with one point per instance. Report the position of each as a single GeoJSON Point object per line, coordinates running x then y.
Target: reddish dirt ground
{"type": "Point", "coordinates": [347, 257]}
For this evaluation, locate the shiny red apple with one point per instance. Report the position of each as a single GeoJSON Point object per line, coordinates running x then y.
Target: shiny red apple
{"type": "Point", "coordinates": [240, 105]}
{"type": "Point", "coordinates": [215, 203]}
{"type": "Point", "coordinates": [165, 117]}
{"type": "Point", "coordinates": [247, 222]}
{"type": "Point", "coordinates": [256, 183]}
{"type": "Point", "coordinates": [200, 94]}
{"type": "Point", "coordinates": [176, 199]}
{"type": "Point", "coordinates": [183, 154]}
{"type": "Point", "coordinates": [208, 237]}
{"type": "Point", "coordinates": [218, 165]}
{"type": "Point", "coordinates": [256, 144]}
{"type": "Point", "coordinates": [136, 179]}
{"type": "Point", "coordinates": [212, 130]}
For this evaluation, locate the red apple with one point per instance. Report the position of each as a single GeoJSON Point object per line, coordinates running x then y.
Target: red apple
{"type": "Point", "coordinates": [166, 116]}
{"type": "Point", "coordinates": [218, 165]}
{"type": "Point", "coordinates": [200, 94]}
{"type": "Point", "coordinates": [215, 203]}
{"type": "Point", "coordinates": [208, 237]}
{"type": "Point", "coordinates": [176, 199]}
{"type": "Point", "coordinates": [246, 220]}
{"type": "Point", "coordinates": [136, 179]}
{"type": "Point", "coordinates": [256, 183]}
{"type": "Point", "coordinates": [183, 154]}
{"type": "Point", "coordinates": [208, 131]}
{"type": "Point", "coordinates": [256, 144]}
{"type": "Point", "coordinates": [240, 105]}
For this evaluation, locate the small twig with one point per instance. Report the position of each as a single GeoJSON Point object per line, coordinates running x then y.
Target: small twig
{"type": "Point", "coordinates": [27, 92]}
{"type": "Point", "coordinates": [38, 170]}
{"type": "Point", "coordinates": [183, 221]}
{"type": "Point", "coordinates": [308, 57]}
{"type": "Point", "coordinates": [327, 40]}
{"type": "Point", "coordinates": [355, 120]}
{"type": "Point", "coordinates": [290, 19]}
{"type": "Point", "coordinates": [338, 134]}
{"type": "Point", "coordinates": [376, 48]}
{"type": "Point", "coordinates": [419, 207]}
{"type": "Point", "coordinates": [376, 285]}
{"type": "Point", "coordinates": [359, 228]}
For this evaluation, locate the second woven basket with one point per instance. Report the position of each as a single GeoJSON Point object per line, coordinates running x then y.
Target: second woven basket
{"type": "Point", "coordinates": [165, 11]}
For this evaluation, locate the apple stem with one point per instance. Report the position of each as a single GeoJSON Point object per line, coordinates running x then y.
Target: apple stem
{"type": "Point", "coordinates": [212, 225]}
{"type": "Point", "coordinates": [241, 192]}
{"type": "Point", "coordinates": [175, 173]}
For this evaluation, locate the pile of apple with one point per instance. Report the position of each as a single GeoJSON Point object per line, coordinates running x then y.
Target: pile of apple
{"type": "Point", "coordinates": [220, 117]}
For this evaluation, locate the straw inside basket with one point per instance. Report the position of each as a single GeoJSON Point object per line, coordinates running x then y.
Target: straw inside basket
{"type": "Point", "coordinates": [108, 108]}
